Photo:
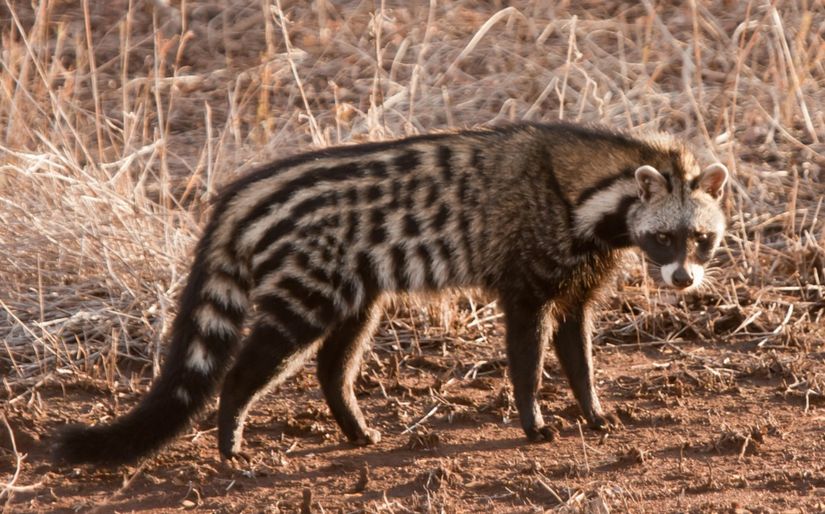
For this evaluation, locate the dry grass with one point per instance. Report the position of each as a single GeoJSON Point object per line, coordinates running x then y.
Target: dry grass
{"type": "Point", "coordinates": [120, 120]}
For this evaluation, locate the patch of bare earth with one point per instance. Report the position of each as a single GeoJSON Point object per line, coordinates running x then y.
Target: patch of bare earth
{"type": "Point", "coordinates": [120, 120]}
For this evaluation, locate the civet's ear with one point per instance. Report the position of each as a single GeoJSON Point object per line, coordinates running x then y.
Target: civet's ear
{"type": "Point", "coordinates": [713, 179]}
{"type": "Point", "coordinates": [651, 182]}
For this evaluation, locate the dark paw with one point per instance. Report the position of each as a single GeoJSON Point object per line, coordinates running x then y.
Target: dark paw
{"type": "Point", "coordinates": [541, 434]}
{"type": "Point", "coordinates": [370, 436]}
{"type": "Point", "coordinates": [236, 460]}
{"type": "Point", "coordinates": [605, 421]}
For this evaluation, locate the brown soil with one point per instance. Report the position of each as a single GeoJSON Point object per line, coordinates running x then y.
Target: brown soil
{"type": "Point", "coordinates": [707, 428]}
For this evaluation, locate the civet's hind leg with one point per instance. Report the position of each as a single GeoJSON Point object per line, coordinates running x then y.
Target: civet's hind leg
{"type": "Point", "coordinates": [269, 356]}
{"type": "Point", "coordinates": [339, 361]}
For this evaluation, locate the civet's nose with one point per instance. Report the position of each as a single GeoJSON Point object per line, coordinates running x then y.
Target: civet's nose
{"type": "Point", "coordinates": [682, 277]}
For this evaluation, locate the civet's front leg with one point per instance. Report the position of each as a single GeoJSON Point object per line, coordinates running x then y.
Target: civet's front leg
{"type": "Point", "coordinates": [526, 337]}
{"type": "Point", "coordinates": [575, 352]}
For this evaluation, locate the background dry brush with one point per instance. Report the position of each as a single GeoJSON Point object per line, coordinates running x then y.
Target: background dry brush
{"type": "Point", "coordinates": [120, 120]}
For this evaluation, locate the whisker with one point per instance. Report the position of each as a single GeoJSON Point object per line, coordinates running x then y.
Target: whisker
{"type": "Point", "coordinates": [709, 285]}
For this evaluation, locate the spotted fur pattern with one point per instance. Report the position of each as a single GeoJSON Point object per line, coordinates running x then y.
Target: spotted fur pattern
{"type": "Point", "coordinates": [538, 214]}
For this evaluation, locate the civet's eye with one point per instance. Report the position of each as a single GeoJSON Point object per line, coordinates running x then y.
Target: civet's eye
{"type": "Point", "coordinates": [702, 237]}
{"type": "Point", "coordinates": [663, 238]}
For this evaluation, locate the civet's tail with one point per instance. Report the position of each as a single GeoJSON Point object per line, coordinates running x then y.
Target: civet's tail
{"type": "Point", "coordinates": [206, 329]}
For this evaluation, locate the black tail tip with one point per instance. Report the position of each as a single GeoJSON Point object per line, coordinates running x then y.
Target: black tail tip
{"type": "Point", "coordinates": [70, 444]}
{"type": "Point", "coordinates": [81, 444]}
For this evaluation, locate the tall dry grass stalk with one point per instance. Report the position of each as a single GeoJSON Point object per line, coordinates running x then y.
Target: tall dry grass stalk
{"type": "Point", "coordinates": [119, 120]}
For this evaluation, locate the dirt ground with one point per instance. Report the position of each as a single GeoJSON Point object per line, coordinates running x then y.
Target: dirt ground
{"type": "Point", "coordinates": [721, 393]}
{"type": "Point", "coordinates": [712, 427]}
{"type": "Point", "coordinates": [716, 426]}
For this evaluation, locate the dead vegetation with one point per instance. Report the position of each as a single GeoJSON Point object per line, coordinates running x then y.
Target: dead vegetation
{"type": "Point", "coordinates": [120, 120]}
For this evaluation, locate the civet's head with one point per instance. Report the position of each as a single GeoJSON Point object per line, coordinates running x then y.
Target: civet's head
{"type": "Point", "coordinates": [678, 223]}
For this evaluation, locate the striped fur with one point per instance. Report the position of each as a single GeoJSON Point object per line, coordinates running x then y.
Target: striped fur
{"type": "Point", "coordinates": [536, 213]}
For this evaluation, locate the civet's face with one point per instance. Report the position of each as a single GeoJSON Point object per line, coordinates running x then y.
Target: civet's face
{"type": "Point", "coordinates": [679, 227]}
